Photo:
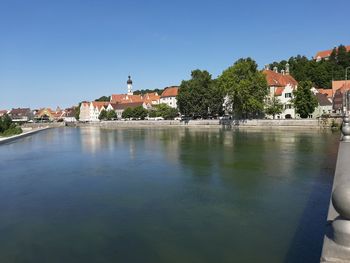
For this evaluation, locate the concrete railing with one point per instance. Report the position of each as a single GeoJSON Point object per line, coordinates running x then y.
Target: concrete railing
{"type": "Point", "coordinates": [336, 246]}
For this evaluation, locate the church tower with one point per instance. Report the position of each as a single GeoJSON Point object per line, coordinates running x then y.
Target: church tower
{"type": "Point", "coordinates": [129, 82]}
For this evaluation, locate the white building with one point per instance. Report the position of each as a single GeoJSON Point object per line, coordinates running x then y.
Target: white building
{"type": "Point", "coordinates": [169, 96]}
{"type": "Point", "coordinates": [281, 86]}
{"type": "Point", "coordinates": [89, 111]}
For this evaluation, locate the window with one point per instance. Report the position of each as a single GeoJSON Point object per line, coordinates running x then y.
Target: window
{"type": "Point", "coordinates": [288, 106]}
{"type": "Point", "coordinates": [288, 95]}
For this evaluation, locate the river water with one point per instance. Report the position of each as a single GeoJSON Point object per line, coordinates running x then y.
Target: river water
{"type": "Point", "coordinates": [165, 195]}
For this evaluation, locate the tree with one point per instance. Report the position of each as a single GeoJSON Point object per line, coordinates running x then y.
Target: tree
{"type": "Point", "coordinates": [5, 123]}
{"type": "Point", "coordinates": [111, 115]}
{"type": "Point", "coordinates": [104, 98]}
{"type": "Point", "coordinates": [245, 86]}
{"type": "Point", "coordinates": [127, 113]}
{"type": "Point", "coordinates": [163, 110]}
{"type": "Point", "coordinates": [103, 115]}
{"type": "Point", "coordinates": [144, 91]}
{"type": "Point", "coordinates": [320, 73]}
{"type": "Point", "coordinates": [77, 112]}
{"type": "Point", "coordinates": [274, 107]}
{"type": "Point", "coordinates": [139, 112]}
{"type": "Point", "coordinates": [7, 128]}
{"type": "Point", "coordinates": [199, 95]}
{"type": "Point", "coordinates": [304, 101]}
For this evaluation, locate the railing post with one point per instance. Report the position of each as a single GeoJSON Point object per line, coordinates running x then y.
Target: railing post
{"type": "Point", "coordinates": [336, 245]}
{"type": "Point", "coordinates": [341, 225]}
{"type": "Point", "coordinates": [346, 129]}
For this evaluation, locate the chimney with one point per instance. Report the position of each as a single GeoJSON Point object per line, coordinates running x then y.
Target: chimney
{"type": "Point", "coordinates": [275, 69]}
{"type": "Point", "coordinates": [282, 71]}
{"type": "Point", "coordinates": [267, 67]}
{"type": "Point", "coordinates": [287, 69]}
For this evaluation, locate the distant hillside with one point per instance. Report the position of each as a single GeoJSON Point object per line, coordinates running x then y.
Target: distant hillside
{"type": "Point", "coordinates": [144, 91]}
{"type": "Point", "coordinates": [320, 73]}
{"type": "Point", "coordinates": [104, 98]}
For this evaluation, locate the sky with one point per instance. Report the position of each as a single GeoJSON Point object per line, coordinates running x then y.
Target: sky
{"type": "Point", "coordinates": [58, 53]}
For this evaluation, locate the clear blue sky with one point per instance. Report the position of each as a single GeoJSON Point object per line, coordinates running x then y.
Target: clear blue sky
{"type": "Point", "coordinates": [57, 53]}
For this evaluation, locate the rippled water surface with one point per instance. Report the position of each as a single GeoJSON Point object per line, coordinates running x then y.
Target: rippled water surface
{"type": "Point", "coordinates": [165, 195]}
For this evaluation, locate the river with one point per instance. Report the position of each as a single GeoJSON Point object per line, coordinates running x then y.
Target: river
{"type": "Point", "coordinates": [165, 195]}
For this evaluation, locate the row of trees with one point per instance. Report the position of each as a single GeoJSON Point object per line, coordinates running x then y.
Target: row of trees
{"type": "Point", "coordinates": [138, 112]}
{"type": "Point", "coordinates": [107, 115]}
{"type": "Point", "coordinates": [244, 85]}
{"type": "Point", "coordinates": [161, 110]}
{"type": "Point", "coordinates": [7, 128]}
{"type": "Point", "coordinates": [240, 90]}
{"type": "Point", "coordinates": [319, 73]}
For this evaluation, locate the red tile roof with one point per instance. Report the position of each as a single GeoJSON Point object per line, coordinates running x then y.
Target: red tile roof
{"type": "Point", "coordinates": [119, 98]}
{"type": "Point", "coordinates": [340, 84]}
{"type": "Point", "coordinates": [327, 53]}
{"type": "Point", "coordinates": [327, 92]}
{"type": "Point", "coordinates": [100, 104]}
{"type": "Point", "coordinates": [276, 79]}
{"type": "Point", "coordinates": [122, 106]}
{"type": "Point", "coordinates": [170, 92]}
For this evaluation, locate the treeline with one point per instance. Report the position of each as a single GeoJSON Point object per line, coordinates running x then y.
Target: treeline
{"type": "Point", "coordinates": [239, 90]}
{"type": "Point", "coordinates": [319, 73]}
{"type": "Point", "coordinates": [162, 110]}
{"type": "Point", "coordinates": [144, 91]}
{"type": "Point", "coordinates": [7, 128]}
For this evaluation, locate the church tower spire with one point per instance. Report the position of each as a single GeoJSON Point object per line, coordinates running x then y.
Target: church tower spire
{"type": "Point", "coordinates": [129, 82]}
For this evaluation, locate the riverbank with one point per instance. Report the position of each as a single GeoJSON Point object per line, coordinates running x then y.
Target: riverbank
{"type": "Point", "coordinates": [269, 124]}
{"type": "Point", "coordinates": [26, 132]}
{"type": "Point", "coordinates": [257, 124]}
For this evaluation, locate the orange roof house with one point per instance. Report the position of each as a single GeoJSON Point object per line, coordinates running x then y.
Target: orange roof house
{"type": "Point", "coordinates": [340, 84]}
{"type": "Point", "coordinates": [325, 54]}
{"type": "Point", "coordinates": [279, 80]}
{"type": "Point", "coordinates": [327, 92]}
{"type": "Point", "coordinates": [170, 92]}
{"type": "Point", "coordinates": [125, 98]}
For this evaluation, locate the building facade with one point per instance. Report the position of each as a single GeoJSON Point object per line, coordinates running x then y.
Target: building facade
{"type": "Point", "coordinates": [168, 96]}
{"type": "Point", "coordinates": [281, 86]}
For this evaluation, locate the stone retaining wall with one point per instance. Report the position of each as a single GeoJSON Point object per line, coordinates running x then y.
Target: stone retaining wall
{"type": "Point", "coordinates": [308, 123]}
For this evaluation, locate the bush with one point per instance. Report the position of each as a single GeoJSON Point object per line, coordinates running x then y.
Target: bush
{"type": "Point", "coordinates": [13, 130]}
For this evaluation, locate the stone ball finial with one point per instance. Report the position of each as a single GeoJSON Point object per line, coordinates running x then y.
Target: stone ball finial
{"type": "Point", "coordinates": [341, 200]}
{"type": "Point", "coordinates": [346, 128]}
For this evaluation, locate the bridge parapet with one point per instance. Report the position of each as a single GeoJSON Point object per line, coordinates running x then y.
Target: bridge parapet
{"type": "Point", "coordinates": [336, 246]}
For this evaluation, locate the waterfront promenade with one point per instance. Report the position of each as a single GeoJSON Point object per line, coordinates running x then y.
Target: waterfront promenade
{"type": "Point", "coordinates": [254, 123]}
{"type": "Point", "coordinates": [26, 132]}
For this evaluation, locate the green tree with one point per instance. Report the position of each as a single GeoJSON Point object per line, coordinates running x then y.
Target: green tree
{"type": "Point", "coordinates": [274, 107]}
{"type": "Point", "coordinates": [139, 112]}
{"type": "Point", "coordinates": [246, 87]}
{"type": "Point", "coordinates": [165, 111]}
{"type": "Point", "coordinates": [104, 98]}
{"type": "Point", "coordinates": [111, 115]}
{"type": "Point", "coordinates": [127, 113]}
{"type": "Point", "coordinates": [103, 115]}
{"type": "Point", "coordinates": [144, 91]}
{"type": "Point", "coordinates": [320, 73]}
{"type": "Point", "coordinates": [199, 96]}
{"type": "Point", "coordinates": [304, 101]}
{"type": "Point", "coordinates": [77, 112]}
{"type": "Point", "coordinates": [7, 128]}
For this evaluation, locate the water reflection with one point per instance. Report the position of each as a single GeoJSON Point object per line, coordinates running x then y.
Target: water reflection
{"type": "Point", "coordinates": [172, 195]}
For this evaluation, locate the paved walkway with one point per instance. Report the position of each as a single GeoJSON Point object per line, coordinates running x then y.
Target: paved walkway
{"type": "Point", "coordinates": [14, 137]}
